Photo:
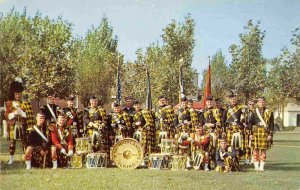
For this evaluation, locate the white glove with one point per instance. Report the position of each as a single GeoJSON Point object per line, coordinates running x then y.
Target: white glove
{"type": "Point", "coordinates": [70, 153]}
{"type": "Point", "coordinates": [138, 123]}
{"type": "Point", "coordinates": [63, 151]}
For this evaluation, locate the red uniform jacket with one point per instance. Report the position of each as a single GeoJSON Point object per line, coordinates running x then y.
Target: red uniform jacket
{"type": "Point", "coordinates": [63, 140]}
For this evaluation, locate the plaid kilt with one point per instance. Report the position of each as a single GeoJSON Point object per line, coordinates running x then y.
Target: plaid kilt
{"type": "Point", "coordinates": [247, 142]}
{"type": "Point", "coordinates": [27, 108]}
{"type": "Point", "coordinates": [260, 138]}
{"type": "Point", "coordinates": [151, 136]}
{"type": "Point", "coordinates": [38, 160]}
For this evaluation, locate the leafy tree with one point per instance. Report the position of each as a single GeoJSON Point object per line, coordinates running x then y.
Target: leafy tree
{"type": "Point", "coordinates": [163, 63]}
{"type": "Point", "coordinates": [248, 67]}
{"type": "Point", "coordinates": [37, 50]}
{"type": "Point", "coordinates": [219, 76]}
{"type": "Point", "coordinates": [96, 60]}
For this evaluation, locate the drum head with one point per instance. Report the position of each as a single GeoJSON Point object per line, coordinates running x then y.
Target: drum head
{"type": "Point", "coordinates": [127, 154]}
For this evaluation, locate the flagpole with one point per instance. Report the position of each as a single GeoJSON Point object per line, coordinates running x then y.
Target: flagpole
{"type": "Point", "coordinates": [180, 81]}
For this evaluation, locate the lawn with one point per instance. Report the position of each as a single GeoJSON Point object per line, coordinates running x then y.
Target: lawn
{"type": "Point", "coordinates": [282, 172]}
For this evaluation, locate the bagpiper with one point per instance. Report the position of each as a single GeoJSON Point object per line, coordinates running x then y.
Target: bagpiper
{"type": "Point", "coordinates": [263, 125]}
{"type": "Point", "coordinates": [211, 122]}
{"type": "Point", "coordinates": [73, 117]}
{"type": "Point", "coordinates": [19, 115]}
{"type": "Point", "coordinates": [143, 124]}
{"type": "Point", "coordinates": [95, 125]}
{"type": "Point", "coordinates": [248, 144]}
{"type": "Point", "coordinates": [62, 146]}
{"type": "Point", "coordinates": [120, 122]}
{"type": "Point", "coordinates": [221, 111]}
{"type": "Point", "coordinates": [183, 129]}
{"type": "Point", "coordinates": [234, 126]}
{"type": "Point", "coordinates": [194, 115]}
{"type": "Point", "coordinates": [164, 120]}
{"type": "Point", "coordinates": [38, 145]}
{"type": "Point", "coordinates": [200, 150]}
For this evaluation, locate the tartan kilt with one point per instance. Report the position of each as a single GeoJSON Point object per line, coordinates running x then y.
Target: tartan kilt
{"type": "Point", "coordinates": [247, 142]}
{"type": "Point", "coordinates": [37, 159]}
{"type": "Point", "coordinates": [260, 138]}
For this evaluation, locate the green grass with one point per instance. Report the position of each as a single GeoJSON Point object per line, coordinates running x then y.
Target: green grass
{"type": "Point", "coordinates": [282, 172]}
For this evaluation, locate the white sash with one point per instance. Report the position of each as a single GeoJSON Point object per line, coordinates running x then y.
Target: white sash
{"type": "Point", "coordinates": [260, 117]}
{"type": "Point", "coordinates": [51, 111]}
{"type": "Point", "coordinates": [232, 114]}
{"type": "Point", "coordinates": [40, 133]}
{"type": "Point", "coordinates": [59, 133]}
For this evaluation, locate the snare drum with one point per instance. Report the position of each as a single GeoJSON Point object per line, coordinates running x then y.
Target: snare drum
{"type": "Point", "coordinates": [96, 160]}
{"type": "Point", "coordinates": [179, 162]}
{"type": "Point", "coordinates": [159, 161]}
{"type": "Point", "coordinates": [83, 145]}
{"type": "Point", "coordinates": [167, 146]}
{"type": "Point", "coordinates": [77, 161]}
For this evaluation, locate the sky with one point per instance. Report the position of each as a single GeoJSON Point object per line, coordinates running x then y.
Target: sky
{"type": "Point", "coordinates": [138, 23]}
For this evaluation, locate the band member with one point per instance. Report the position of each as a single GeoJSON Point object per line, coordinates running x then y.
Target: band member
{"type": "Point", "coordinates": [61, 142]}
{"type": "Point", "coordinates": [144, 126]}
{"type": "Point", "coordinates": [164, 120]}
{"type": "Point", "coordinates": [183, 117]}
{"type": "Point", "coordinates": [51, 109]}
{"type": "Point", "coordinates": [128, 108]}
{"type": "Point", "coordinates": [194, 115]}
{"type": "Point", "coordinates": [221, 111]}
{"type": "Point", "coordinates": [95, 122]}
{"type": "Point", "coordinates": [234, 126]}
{"type": "Point", "coordinates": [212, 124]}
{"type": "Point", "coordinates": [19, 116]}
{"type": "Point", "coordinates": [120, 122]}
{"type": "Point", "coordinates": [38, 144]}
{"type": "Point", "coordinates": [184, 144]}
{"type": "Point", "coordinates": [226, 157]}
{"type": "Point", "coordinates": [73, 119]}
{"type": "Point", "coordinates": [201, 148]}
{"type": "Point", "coordinates": [263, 125]}
{"type": "Point", "coordinates": [249, 111]}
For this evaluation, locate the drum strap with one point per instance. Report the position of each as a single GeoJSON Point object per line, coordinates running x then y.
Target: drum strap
{"type": "Point", "coordinates": [260, 117]}
{"type": "Point", "coordinates": [40, 133]}
{"type": "Point", "coordinates": [51, 111]}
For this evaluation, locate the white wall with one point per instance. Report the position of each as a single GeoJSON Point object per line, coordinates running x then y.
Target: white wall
{"type": "Point", "coordinates": [290, 114]}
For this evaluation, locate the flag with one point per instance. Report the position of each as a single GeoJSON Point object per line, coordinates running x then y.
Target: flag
{"type": "Point", "coordinates": [119, 94]}
{"type": "Point", "coordinates": [208, 86]}
{"type": "Point", "coordinates": [149, 98]}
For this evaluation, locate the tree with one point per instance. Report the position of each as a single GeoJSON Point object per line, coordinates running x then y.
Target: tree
{"type": "Point", "coordinates": [248, 67]}
{"type": "Point", "coordinates": [96, 60]}
{"type": "Point", "coordinates": [163, 62]}
{"type": "Point", "coordinates": [220, 80]}
{"type": "Point", "coordinates": [37, 50]}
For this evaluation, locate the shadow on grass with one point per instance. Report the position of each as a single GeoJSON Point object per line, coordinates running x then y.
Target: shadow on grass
{"type": "Point", "coordinates": [287, 141]}
{"type": "Point", "coordinates": [283, 166]}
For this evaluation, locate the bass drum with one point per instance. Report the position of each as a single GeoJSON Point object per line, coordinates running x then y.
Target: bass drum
{"type": "Point", "coordinates": [127, 154]}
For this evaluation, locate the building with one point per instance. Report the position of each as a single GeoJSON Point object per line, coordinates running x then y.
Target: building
{"type": "Point", "coordinates": [291, 114]}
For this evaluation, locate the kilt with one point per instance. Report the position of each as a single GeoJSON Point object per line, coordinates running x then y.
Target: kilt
{"type": "Point", "coordinates": [37, 159]}
{"type": "Point", "coordinates": [247, 142]}
{"type": "Point", "coordinates": [260, 137]}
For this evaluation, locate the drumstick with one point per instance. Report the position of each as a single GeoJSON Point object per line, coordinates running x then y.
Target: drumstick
{"type": "Point", "coordinates": [44, 161]}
